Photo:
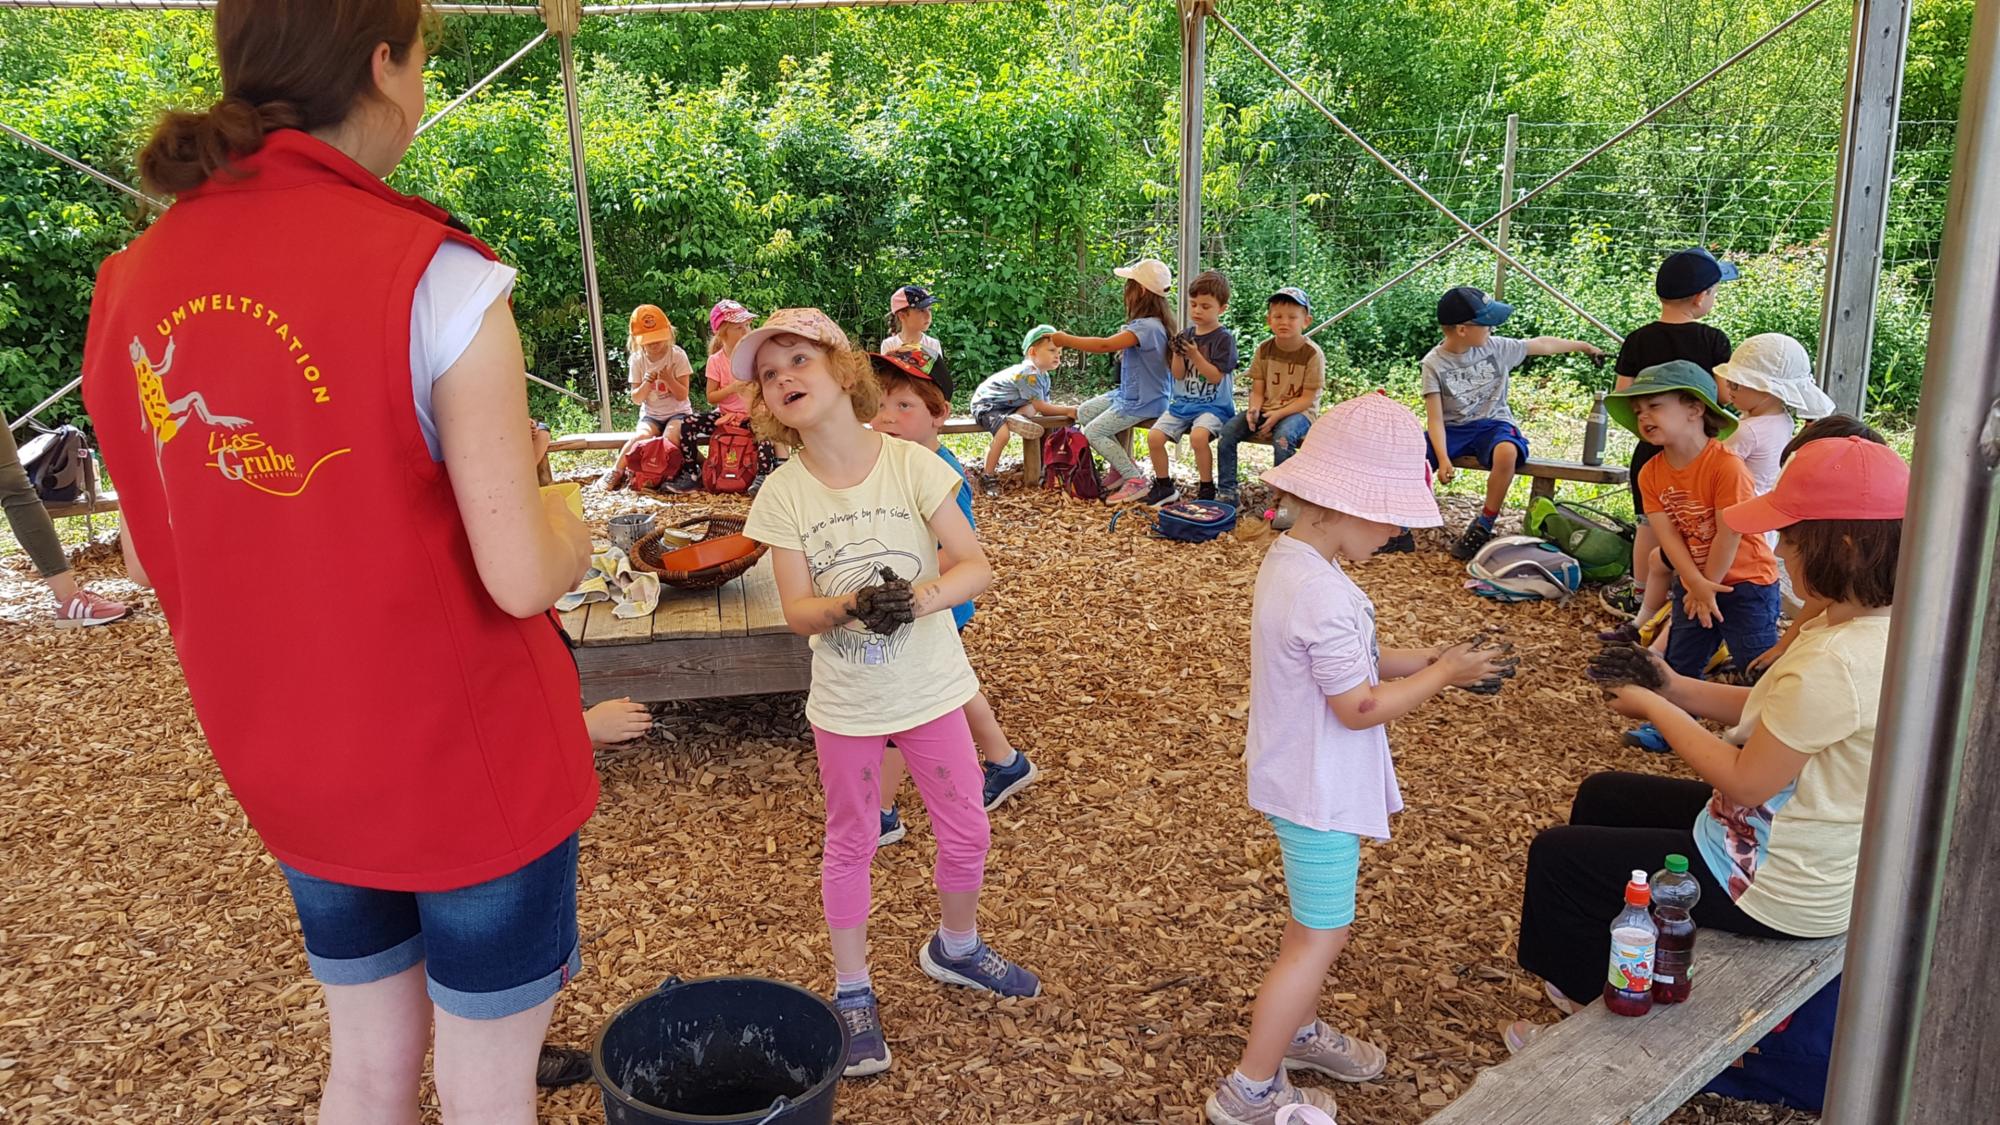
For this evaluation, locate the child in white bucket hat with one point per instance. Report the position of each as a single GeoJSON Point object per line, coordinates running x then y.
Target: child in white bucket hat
{"type": "Point", "coordinates": [1321, 690]}
{"type": "Point", "coordinates": [1769, 381]}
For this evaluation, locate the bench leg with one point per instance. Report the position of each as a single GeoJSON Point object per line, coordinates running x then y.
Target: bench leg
{"type": "Point", "coordinates": [1031, 461]}
{"type": "Point", "coordinates": [1543, 488]}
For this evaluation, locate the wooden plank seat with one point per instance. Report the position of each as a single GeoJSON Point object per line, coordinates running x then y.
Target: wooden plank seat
{"type": "Point", "coordinates": [1543, 475]}
{"type": "Point", "coordinates": [696, 645]}
{"type": "Point", "coordinates": [1596, 1068]}
{"type": "Point", "coordinates": [84, 506]}
{"type": "Point", "coordinates": [1031, 451]}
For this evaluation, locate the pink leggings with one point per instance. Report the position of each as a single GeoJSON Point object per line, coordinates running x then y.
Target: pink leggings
{"type": "Point", "coordinates": [945, 767]}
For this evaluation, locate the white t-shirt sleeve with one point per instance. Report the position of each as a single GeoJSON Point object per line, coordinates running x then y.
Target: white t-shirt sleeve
{"type": "Point", "coordinates": [1336, 641]}
{"type": "Point", "coordinates": [451, 301]}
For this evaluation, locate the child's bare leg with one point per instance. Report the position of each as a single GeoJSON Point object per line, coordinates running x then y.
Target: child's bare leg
{"type": "Point", "coordinates": [1289, 997]}
{"type": "Point", "coordinates": [1659, 581]}
{"type": "Point", "coordinates": [994, 449]}
{"type": "Point", "coordinates": [987, 734]}
{"type": "Point", "coordinates": [892, 776]}
{"type": "Point", "coordinates": [1156, 451]}
{"type": "Point", "coordinates": [617, 720]}
{"type": "Point", "coordinates": [1506, 457]}
{"type": "Point", "coordinates": [673, 431]}
{"type": "Point", "coordinates": [1204, 457]}
{"type": "Point", "coordinates": [959, 910]}
{"type": "Point", "coordinates": [1644, 544]}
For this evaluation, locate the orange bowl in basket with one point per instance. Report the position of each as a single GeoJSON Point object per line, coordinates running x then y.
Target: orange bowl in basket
{"type": "Point", "coordinates": [708, 553]}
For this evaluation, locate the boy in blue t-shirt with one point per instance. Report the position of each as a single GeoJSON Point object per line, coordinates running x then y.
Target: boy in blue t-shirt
{"type": "Point", "coordinates": [1203, 363]}
{"type": "Point", "coordinates": [915, 403]}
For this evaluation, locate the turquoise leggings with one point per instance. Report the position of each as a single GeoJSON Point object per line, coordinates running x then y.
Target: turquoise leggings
{"type": "Point", "coordinates": [1320, 869]}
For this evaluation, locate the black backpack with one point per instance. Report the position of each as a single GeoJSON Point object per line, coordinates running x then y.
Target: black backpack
{"type": "Point", "coordinates": [58, 464]}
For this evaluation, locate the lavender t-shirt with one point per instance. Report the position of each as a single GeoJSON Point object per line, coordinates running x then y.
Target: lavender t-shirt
{"type": "Point", "coordinates": [1312, 635]}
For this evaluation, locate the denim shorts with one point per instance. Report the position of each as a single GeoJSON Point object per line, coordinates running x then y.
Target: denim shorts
{"type": "Point", "coordinates": [1321, 867]}
{"type": "Point", "coordinates": [489, 951]}
{"type": "Point", "coordinates": [1175, 427]}
{"type": "Point", "coordinates": [1479, 439]}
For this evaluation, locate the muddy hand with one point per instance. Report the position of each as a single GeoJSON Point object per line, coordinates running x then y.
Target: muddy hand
{"type": "Point", "coordinates": [1623, 663]}
{"type": "Point", "coordinates": [887, 606]}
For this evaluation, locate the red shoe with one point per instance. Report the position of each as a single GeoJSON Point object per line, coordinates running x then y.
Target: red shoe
{"type": "Point", "coordinates": [87, 609]}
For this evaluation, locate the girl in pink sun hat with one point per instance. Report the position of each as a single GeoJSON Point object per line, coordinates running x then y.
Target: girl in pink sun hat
{"type": "Point", "coordinates": [1321, 692]}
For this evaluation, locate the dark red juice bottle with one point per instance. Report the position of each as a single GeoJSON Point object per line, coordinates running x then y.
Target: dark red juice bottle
{"type": "Point", "coordinates": [1674, 894]}
{"type": "Point", "coordinates": [1628, 987]}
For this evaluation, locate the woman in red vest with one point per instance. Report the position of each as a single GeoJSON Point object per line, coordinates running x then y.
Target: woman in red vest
{"type": "Point", "coordinates": [311, 393]}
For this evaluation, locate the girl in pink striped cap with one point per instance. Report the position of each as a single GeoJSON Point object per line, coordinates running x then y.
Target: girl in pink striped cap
{"type": "Point", "coordinates": [1321, 690]}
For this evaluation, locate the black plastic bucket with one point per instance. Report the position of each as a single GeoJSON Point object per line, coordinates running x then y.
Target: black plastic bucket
{"type": "Point", "coordinates": [734, 1050]}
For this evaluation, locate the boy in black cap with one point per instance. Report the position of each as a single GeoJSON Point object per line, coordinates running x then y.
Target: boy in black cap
{"type": "Point", "coordinates": [1465, 399]}
{"type": "Point", "coordinates": [1686, 286]}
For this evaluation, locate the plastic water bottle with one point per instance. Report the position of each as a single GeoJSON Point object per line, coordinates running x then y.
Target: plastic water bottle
{"type": "Point", "coordinates": [1594, 432]}
{"type": "Point", "coordinates": [1628, 988]}
{"type": "Point", "coordinates": [1674, 894]}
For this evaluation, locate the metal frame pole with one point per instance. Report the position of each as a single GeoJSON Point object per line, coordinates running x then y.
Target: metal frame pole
{"type": "Point", "coordinates": [1928, 685]}
{"type": "Point", "coordinates": [1506, 197]}
{"type": "Point", "coordinates": [1645, 119]}
{"type": "Point", "coordinates": [1470, 230]}
{"type": "Point", "coordinates": [80, 166]}
{"type": "Point", "coordinates": [1194, 96]}
{"type": "Point", "coordinates": [1861, 204]}
{"type": "Point", "coordinates": [45, 404]}
{"type": "Point", "coordinates": [592, 298]}
{"type": "Point", "coordinates": [503, 68]}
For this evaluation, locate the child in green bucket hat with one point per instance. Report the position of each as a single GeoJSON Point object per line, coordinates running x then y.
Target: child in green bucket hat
{"type": "Point", "coordinates": [1725, 587]}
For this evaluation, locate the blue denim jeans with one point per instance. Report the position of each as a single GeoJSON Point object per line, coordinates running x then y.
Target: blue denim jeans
{"type": "Point", "coordinates": [1749, 625]}
{"type": "Point", "coordinates": [489, 950]}
{"type": "Point", "coordinates": [1286, 437]}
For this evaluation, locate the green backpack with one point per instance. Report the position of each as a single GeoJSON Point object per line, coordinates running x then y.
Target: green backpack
{"type": "Point", "coordinates": [1601, 544]}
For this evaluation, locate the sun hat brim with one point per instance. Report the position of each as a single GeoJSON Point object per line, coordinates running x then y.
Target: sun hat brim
{"type": "Point", "coordinates": [658, 335]}
{"type": "Point", "coordinates": [1757, 516]}
{"type": "Point", "coordinates": [743, 361]}
{"type": "Point", "coordinates": [1493, 315]}
{"type": "Point", "coordinates": [1801, 397]}
{"type": "Point", "coordinates": [1403, 502]}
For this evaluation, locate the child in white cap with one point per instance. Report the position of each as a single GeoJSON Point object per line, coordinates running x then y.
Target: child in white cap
{"type": "Point", "coordinates": [1321, 692]}
{"type": "Point", "coordinates": [1769, 382]}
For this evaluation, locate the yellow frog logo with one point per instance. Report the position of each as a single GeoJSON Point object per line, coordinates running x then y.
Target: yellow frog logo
{"type": "Point", "coordinates": [166, 418]}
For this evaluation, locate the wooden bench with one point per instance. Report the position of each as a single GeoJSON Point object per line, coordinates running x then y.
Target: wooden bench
{"type": "Point", "coordinates": [1596, 1068]}
{"type": "Point", "coordinates": [87, 506]}
{"type": "Point", "coordinates": [577, 443]}
{"type": "Point", "coordinates": [696, 645]}
{"type": "Point", "coordinates": [1031, 451]}
{"type": "Point", "coordinates": [1543, 475]}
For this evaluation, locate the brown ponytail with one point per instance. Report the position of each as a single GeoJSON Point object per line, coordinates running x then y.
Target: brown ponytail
{"type": "Point", "coordinates": [286, 64]}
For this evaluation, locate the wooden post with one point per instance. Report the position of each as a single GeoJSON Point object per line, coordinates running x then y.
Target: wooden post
{"type": "Point", "coordinates": [1861, 199]}
{"type": "Point", "coordinates": [1506, 198]}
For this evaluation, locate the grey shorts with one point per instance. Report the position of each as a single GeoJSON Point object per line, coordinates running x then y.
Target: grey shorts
{"type": "Point", "coordinates": [1176, 427]}
{"type": "Point", "coordinates": [993, 418]}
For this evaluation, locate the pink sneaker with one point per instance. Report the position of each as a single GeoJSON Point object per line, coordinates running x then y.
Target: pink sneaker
{"type": "Point", "coordinates": [1229, 1107]}
{"type": "Point", "coordinates": [1334, 1054]}
{"type": "Point", "coordinates": [87, 609]}
{"type": "Point", "coordinates": [1130, 489]}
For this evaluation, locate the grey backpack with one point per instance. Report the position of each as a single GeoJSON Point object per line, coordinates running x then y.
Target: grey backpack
{"type": "Point", "coordinates": [57, 462]}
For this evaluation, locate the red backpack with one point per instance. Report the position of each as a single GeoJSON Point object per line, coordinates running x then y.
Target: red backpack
{"type": "Point", "coordinates": [650, 462]}
{"type": "Point", "coordinates": [732, 459]}
{"type": "Point", "coordinates": [1068, 465]}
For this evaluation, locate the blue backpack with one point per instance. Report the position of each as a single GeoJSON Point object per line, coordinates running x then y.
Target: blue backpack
{"type": "Point", "coordinates": [1194, 521]}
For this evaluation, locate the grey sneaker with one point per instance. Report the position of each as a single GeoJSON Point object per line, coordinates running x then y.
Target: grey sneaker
{"type": "Point", "coordinates": [867, 1049]}
{"type": "Point", "coordinates": [1228, 1107]}
{"type": "Point", "coordinates": [1337, 1056]}
{"type": "Point", "coordinates": [982, 969]}
{"type": "Point", "coordinates": [1476, 535]}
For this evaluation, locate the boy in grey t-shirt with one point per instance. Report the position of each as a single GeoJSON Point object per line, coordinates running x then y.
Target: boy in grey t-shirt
{"type": "Point", "coordinates": [1465, 399]}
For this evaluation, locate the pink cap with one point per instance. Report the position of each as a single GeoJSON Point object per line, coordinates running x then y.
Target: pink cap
{"type": "Point", "coordinates": [728, 312]}
{"type": "Point", "coordinates": [1848, 478]}
{"type": "Point", "coordinates": [1364, 457]}
{"type": "Point", "coordinates": [807, 324]}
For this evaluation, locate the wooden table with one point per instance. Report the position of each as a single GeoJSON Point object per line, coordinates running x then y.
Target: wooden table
{"type": "Point", "coordinates": [696, 645]}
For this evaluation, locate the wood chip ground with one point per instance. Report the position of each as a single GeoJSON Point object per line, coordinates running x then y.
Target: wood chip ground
{"type": "Point", "coordinates": [151, 969]}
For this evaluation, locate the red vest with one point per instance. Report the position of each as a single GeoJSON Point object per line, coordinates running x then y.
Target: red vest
{"type": "Point", "coordinates": [382, 721]}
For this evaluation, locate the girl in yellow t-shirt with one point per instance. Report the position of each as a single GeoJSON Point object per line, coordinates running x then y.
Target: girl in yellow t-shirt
{"type": "Point", "coordinates": [856, 521]}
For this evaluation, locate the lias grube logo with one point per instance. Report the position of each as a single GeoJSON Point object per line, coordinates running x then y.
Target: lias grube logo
{"type": "Point", "coordinates": [273, 465]}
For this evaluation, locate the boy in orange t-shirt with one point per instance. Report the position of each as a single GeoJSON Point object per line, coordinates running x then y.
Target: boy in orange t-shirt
{"type": "Point", "coordinates": [1725, 585]}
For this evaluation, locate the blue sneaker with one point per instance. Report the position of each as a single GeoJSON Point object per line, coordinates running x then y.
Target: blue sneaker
{"type": "Point", "coordinates": [1649, 739]}
{"type": "Point", "coordinates": [892, 828]}
{"type": "Point", "coordinates": [983, 969]}
{"type": "Point", "coordinates": [867, 1050]}
{"type": "Point", "coordinates": [1003, 782]}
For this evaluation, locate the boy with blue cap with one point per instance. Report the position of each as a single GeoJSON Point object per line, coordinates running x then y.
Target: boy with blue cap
{"type": "Point", "coordinates": [1686, 285]}
{"type": "Point", "coordinates": [1465, 399]}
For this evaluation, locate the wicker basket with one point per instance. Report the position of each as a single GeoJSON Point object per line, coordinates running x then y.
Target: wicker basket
{"type": "Point", "coordinates": [721, 555]}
